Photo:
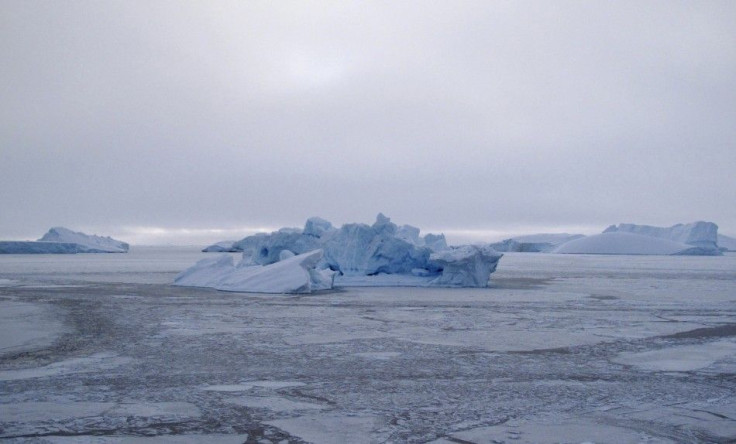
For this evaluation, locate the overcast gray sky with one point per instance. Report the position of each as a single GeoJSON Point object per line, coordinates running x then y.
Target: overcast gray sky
{"type": "Point", "coordinates": [173, 121]}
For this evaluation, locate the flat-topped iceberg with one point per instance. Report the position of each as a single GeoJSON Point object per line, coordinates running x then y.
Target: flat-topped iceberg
{"type": "Point", "coordinates": [699, 234]}
{"type": "Point", "coordinates": [355, 254]}
{"type": "Point", "coordinates": [628, 243]}
{"type": "Point", "coordinates": [60, 240]}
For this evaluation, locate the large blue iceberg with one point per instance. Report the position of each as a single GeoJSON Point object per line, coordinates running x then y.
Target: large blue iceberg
{"type": "Point", "coordinates": [382, 254]}
{"type": "Point", "coordinates": [694, 239]}
{"type": "Point", "coordinates": [60, 240]}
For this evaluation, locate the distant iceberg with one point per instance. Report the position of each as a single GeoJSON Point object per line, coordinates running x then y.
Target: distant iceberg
{"type": "Point", "coordinates": [534, 243]}
{"type": "Point", "coordinates": [60, 240]}
{"type": "Point", "coordinates": [221, 247]}
{"type": "Point", "coordinates": [699, 234]}
{"type": "Point", "coordinates": [696, 239]}
{"type": "Point", "coordinates": [726, 243]}
{"type": "Point", "coordinates": [627, 243]}
{"type": "Point", "coordinates": [320, 256]}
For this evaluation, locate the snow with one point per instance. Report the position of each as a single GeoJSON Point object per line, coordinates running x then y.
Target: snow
{"type": "Point", "coordinates": [60, 240]}
{"type": "Point", "coordinates": [699, 234]}
{"type": "Point", "coordinates": [613, 242]}
{"type": "Point", "coordinates": [294, 274]}
{"type": "Point", "coordinates": [382, 254]}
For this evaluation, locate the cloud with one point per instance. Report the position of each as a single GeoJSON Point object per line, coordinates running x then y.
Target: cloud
{"type": "Point", "coordinates": [456, 115]}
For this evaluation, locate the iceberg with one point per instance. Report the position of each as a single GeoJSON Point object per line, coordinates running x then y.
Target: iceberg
{"type": "Point", "coordinates": [466, 266]}
{"type": "Point", "coordinates": [60, 240]}
{"type": "Point", "coordinates": [614, 242]}
{"type": "Point", "coordinates": [355, 254]}
{"type": "Point", "coordinates": [534, 243]}
{"type": "Point", "coordinates": [699, 234]}
{"type": "Point", "coordinates": [726, 243]}
{"type": "Point", "coordinates": [221, 247]}
{"type": "Point", "coordinates": [295, 274]}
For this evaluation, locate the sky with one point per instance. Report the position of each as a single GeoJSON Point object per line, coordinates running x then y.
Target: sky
{"type": "Point", "coordinates": [174, 122]}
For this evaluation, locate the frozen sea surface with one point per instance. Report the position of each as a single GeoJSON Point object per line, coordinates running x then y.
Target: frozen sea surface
{"type": "Point", "coordinates": [573, 349]}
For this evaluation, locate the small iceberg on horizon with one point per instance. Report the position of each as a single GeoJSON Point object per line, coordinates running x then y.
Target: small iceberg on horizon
{"type": "Point", "coordinates": [320, 256]}
{"type": "Point", "coordinates": [60, 240]}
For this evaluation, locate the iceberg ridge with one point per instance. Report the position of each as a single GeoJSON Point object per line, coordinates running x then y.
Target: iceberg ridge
{"type": "Point", "coordinates": [355, 254]}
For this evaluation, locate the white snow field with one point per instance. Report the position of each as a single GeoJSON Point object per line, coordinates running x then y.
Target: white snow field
{"type": "Point", "coordinates": [383, 254]}
{"type": "Point", "coordinates": [60, 240]}
{"type": "Point", "coordinates": [559, 348]}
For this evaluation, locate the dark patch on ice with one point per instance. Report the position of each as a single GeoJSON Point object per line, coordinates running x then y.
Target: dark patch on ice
{"type": "Point", "coordinates": [603, 297]}
{"type": "Point", "coordinates": [519, 283]}
{"type": "Point", "coordinates": [708, 332]}
{"type": "Point", "coordinates": [542, 351]}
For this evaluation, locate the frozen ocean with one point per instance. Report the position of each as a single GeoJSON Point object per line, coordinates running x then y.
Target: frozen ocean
{"type": "Point", "coordinates": [560, 348]}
